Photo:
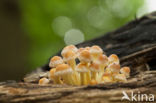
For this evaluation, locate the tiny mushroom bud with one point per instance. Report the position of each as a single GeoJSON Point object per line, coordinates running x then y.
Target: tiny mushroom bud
{"type": "Point", "coordinates": [113, 59]}
{"type": "Point", "coordinates": [107, 78]}
{"type": "Point", "coordinates": [113, 68]}
{"type": "Point", "coordinates": [120, 78]}
{"type": "Point", "coordinates": [55, 61]}
{"type": "Point", "coordinates": [95, 52]}
{"type": "Point", "coordinates": [126, 71]}
{"type": "Point", "coordinates": [43, 81]}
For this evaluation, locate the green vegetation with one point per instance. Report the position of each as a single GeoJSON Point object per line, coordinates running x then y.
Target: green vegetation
{"type": "Point", "coordinates": [46, 22]}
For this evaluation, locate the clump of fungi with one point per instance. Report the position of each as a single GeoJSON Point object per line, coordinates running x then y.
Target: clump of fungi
{"type": "Point", "coordinates": [94, 67]}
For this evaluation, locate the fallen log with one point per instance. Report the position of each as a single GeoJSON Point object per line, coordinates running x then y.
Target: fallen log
{"type": "Point", "coordinates": [134, 43]}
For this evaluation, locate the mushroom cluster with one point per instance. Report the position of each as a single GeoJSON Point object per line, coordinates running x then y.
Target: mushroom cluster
{"type": "Point", "coordinates": [85, 66]}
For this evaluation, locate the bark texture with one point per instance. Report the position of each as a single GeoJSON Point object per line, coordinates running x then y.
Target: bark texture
{"type": "Point", "coordinates": [134, 43]}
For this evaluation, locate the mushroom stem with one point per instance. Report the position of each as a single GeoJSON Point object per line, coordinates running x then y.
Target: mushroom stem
{"type": "Point", "coordinates": [83, 78]}
{"type": "Point", "coordinates": [68, 79]}
{"type": "Point", "coordinates": [54, 78]}
{"type": "Point", "coordinates": [72, 63]}
{"type": "Point", "coordinates": [58, 80]}
{"type": "Point", "coordinates": [94, 75]}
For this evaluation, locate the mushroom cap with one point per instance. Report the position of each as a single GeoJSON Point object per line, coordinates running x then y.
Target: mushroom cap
{"type": "Point", "coordinates": [125, 70]}
{"type": "Point", "coordinates": [115, 68]}
{"type": "Point", "coordinates": [113, 59]}
{"type": "Point", "coordinates": [63, 69]}
{"type": "Point", "coordinates": [55, 61]}
{"type": "Point", "coordinates": [96, 50]}
{"type": "Point", "coordinates": [80, 50]}
{"type": "Point", "coordinates": [102, 59]}
{"type": "Point", "coordinates": [87, 48]}
{"type": "Point", "coordinates": [67, 48]}
{"type": "Point", "coordinates": [69, 55]}
{"type": "Point", "coordinates": [93, 82]}
{"type": "Point", "coordinates": [43, 81]}
{"type": "Point", "coordinates": [81, 67]}
{"type": "Point", "coordinates": [51, 73]}
{"type": "Point", "coordinates": [120, 77]}
{"type": "Point", "coordinates": [85, 56]}
{"type": "Point", "coordinates": [94, 67]}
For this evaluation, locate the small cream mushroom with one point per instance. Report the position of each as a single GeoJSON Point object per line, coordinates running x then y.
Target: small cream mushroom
{"type": "Point", "coordinates": [85, 58]}
{"type": "Point", "coordinates": [95, 70]}
{"type": "Point", "coordinates": [95, 52]}
{"type": "Point", "coordinates": [54, 78]}
{"type": "Point", "coordinates": [113, 68]}
{"type": "Point", "coordinates": [64, 71]}
{"type": "Point", "coordinates": [67, 48]}
{"type": "Point", "coordinates": [126, 71]}
{"type": "Point", "coordinates": [82, 70]}
{"type": "Point", "coordinates": [70, 57]}
{"type": "Point", "coordinates": [43, 81]}
{"type": "Point", "coordinates": [113, 59]}
{"type": "Point", "coordinates": [103, 62]}
{"type": "Point", "coordinates": [55, 61]}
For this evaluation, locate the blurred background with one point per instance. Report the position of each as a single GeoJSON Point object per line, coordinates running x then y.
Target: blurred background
{"type": "Point", "coordinates": [33, 30]}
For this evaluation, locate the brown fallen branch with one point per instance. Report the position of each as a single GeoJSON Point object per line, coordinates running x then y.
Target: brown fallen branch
{"type": "Point", "coordinates": [134, 43]}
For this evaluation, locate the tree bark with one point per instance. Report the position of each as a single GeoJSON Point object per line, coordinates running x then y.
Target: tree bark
{"type": "Point", "coordinates": [134, 43]}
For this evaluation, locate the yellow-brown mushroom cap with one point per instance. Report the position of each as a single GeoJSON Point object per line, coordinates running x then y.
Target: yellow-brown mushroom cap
{"type": "Point", "coordinates": [94, 67]}
{"type": "Point", "coordinates": [87, 48]}
{"type": "Point", "coordinates": [84, 56]}
{"type": "Point", "coordinates": [63, 69]}
{"type": "Point", "coordinates": [102, 59]}
{"type": "Point", "coordinates": [125, 70]}
{"type": "Point", "coordinates": [81, 67]}
{"type": "Point", "coordinates": [69, 55]}
{"type": "Point", "coordinates": [67, 48]}
{"type": "Point", "coordinates": [96, 50]}
{"type": "Point", "coordinates": [115, 68]}
{"type": "Point", "coordinates": [55, 61]}
{"type": "Point", "coordinates": [113, 59]}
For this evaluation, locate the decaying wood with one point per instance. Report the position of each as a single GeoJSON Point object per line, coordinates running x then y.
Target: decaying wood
{"type": "Point", "coordinates": [13, 92]}
{"type": "Point", "coordinates": [134, 43]}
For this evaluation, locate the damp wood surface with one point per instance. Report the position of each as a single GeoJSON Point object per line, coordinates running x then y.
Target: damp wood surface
{"type": "Point", "coordinates": [134, 43]}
